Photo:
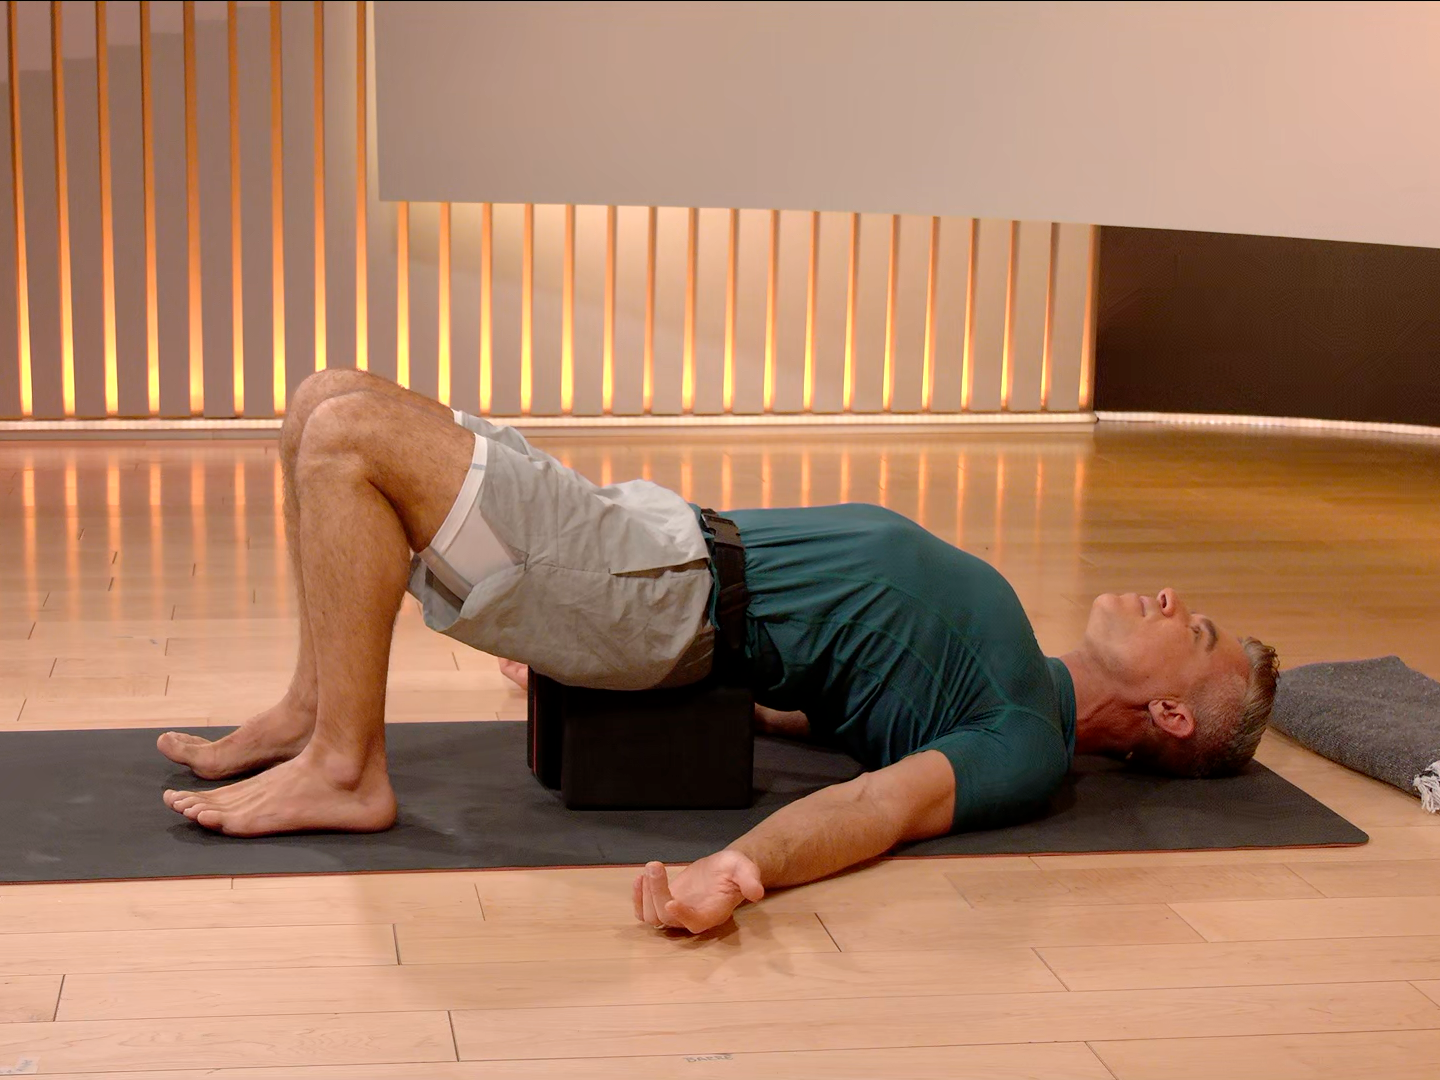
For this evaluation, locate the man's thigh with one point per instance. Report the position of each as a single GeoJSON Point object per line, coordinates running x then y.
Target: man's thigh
{"type": "Point", "coordinates": [596, 593]}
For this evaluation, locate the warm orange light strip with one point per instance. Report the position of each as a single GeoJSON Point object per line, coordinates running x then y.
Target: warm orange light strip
{"type": "Point", "coordinates": [107, 211]}
{"type": "Point", "coordinates": [1092, 299]}
{"type": "Point", "coordinates": [805, 478]}
{"type": "Point", "coordinates": [765, 480]}
{"type": "Point", "coordinates": [961, 467]}
{"type": "Point", "coordinates": [237, 264]}
{"type": "Point", "coordinates": [844, 476]}
{"type": "Point", "coordinates": [402, 294]}
{"type": "Point", "coordinates": [692, 268]}
{"type": "Point", "coordinates": [932, 284]}
{"type": "Point", "coordinates": [152, 288]}
{"type": "Point", "coordinates": [607, 363]}
{"type": "Point", "coordinates": [22, 268]}
{"type": "Point", "coordinates": [321, 362]}
{"type": "Point", "coordinates": [1007, 369]}
{"type": "Point", "coordinates": [487, 333]}
{"type": "Point", "coordinates": [277, 209]}
{"type": "Point", "coordinates": [567, 319]}
{"type": "Point", "coordinates": [847, 391]}
{"type": "Point", "coordinates": [647, 387]}
{"type": "Point", "coordinates": [192, 216]}
{"type": "Point", "coordinates": [999, 505]}
{"type": "Point", "coordinates": [812, 301]}
{"type": "Point", "coordinates": [362, 194]}
{"type": "Point", "coordinates": [892, 274]}
{"type": "Point", "coordinates": [772, 300]}
{"type": "Point", "coordinates": [727, 482]}
{"type": "Point", "coordinates": [727, 389]}
{"type": "Point", "coordinates": [442, 359]}
{"type": "Point", "coordinates": [967, 368]}
{"type": "Point", "coordinates": [923, 488]}
{"type": "Point", "coordinates": [527, 311]}
{"type": "Point", "coordinates": [1045, 374]}
{"type": "Point", "coordinates": [62, 204]}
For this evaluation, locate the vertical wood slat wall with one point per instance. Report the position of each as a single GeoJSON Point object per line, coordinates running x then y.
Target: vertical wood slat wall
{"type": "Point", "coordinates": [190, 229]}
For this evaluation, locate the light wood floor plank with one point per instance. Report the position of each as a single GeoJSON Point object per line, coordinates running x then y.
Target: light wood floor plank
{"type": "Point", "coordinates": [24, 913]}
{"type": "Point", "coordinates": [1036, 1061]}
{"type": "Point", "coordinates": [1278, 920]}
{"type": "Point", "coordinates": [1409, 877]}
{"type": "Point", "coordinates": [125, 1046]}
{"type": "Point", "coordinates": [1139, 885]}
{"type": "Point", "coordinates": [428, 888]}
{"type": "Point", "coordinates": [1247, 963]}
{"type": "Point", "coordinates": [26, 999]}
{"type": "Point", "coordinates": [171, 951]}
{"type": "Point", "coordinates": [463, 941]}
{"type": "Point", "coordinates": [582, 893]}
{"type": "Point", "coordinates": [1033, 925]}
{"type": "Point", "coordinates": [648, 979]}
{"type": "Point", "coordinates": [833, 1025]}
{"type": "Point", "coordinates": [48, 891]}
{"type": "Point", "coordinates": [1395, 1055]}
{"type": "Point", "coordinates": [1387, 844]}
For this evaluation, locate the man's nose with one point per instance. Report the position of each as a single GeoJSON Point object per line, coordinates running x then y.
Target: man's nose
{"type": "Point", "coordinates": [1169, 602]}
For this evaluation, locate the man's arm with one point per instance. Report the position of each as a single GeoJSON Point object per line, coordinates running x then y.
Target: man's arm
{"type": "Point", "coordinates": [809, 839]}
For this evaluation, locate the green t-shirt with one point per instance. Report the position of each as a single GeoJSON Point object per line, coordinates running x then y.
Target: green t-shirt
{"type": "Point", "coordinates": [892, 641]}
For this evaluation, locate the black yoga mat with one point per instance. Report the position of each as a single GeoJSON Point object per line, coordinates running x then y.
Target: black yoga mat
{"type": "Point", "coordinates": [85, 805]}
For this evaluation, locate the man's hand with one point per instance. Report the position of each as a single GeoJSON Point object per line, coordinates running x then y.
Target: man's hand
{"type": "Point", "coordinates": [704, 894]}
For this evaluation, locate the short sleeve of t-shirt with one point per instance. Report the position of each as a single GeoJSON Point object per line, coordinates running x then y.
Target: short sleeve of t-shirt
{"type": "Point", "coordinates": [1005, 769]}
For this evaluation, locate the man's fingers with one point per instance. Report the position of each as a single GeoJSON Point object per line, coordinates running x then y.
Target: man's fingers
{"type": "Point", "coordinates": [647, 900]}
{"type": "Point", "coordinates": [657, 883]}
{"type": "Point", "coordinates": [747, 876]}
{"type": "Point", "coordinates": [677, 914]}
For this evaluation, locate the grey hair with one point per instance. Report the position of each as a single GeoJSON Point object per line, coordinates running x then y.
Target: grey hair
{"type": "Point", "coordinates": [1225, 736]}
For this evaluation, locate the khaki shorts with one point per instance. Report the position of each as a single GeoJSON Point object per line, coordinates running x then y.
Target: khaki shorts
{"type": "Point", "coordinates": [609, 587]}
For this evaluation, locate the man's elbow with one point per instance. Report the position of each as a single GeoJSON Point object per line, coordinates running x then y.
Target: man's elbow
{"type": "Point", "coordinates": [915, 800]}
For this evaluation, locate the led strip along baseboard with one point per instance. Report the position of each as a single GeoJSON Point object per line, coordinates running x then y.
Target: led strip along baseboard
{"type": "Point", "coordinates": [628, 426]}
{"type": "Point", "coordinates": [1279, 423]}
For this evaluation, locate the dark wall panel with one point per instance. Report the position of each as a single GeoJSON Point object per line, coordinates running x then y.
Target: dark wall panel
{"type": "Point", "coordinates": [1221, 323]}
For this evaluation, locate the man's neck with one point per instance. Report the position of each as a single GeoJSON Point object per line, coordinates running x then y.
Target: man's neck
{"type": "Point", "coordinates": [1104, 722]}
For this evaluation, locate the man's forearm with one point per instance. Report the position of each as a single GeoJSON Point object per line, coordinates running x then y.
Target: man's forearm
{"type": "Point", "coordinates": [819, 835]}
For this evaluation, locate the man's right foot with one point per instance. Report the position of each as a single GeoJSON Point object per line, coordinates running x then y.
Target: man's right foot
{"type": "Point", "coordinates": [275, 735]}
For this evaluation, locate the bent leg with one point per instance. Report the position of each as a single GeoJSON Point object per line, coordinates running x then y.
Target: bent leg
{"type": "Point", "coordinates": [283, 730]}
{"type": "Point", "coordinates": [375, 479]}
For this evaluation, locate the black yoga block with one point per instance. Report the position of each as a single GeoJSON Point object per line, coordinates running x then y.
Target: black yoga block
{"type": "Point", "coordinates": [687, 748]}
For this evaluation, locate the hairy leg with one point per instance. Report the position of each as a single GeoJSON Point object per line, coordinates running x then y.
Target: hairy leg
{"type": "Point", "coordinates": [283, 730]}
{"type": "Point", "coordinates": [375, 480]}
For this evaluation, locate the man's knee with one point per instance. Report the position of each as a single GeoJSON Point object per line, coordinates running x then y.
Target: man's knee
{"type": "Point", "coordinates": [339, 425]}
{"type": "Point", "coordinates": [316, 389]}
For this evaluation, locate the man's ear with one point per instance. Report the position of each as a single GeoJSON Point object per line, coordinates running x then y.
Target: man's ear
{"type": "Point", "coordinates": [1173, 717]}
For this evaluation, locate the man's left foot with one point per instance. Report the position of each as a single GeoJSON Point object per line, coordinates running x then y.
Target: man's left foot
{"type": "Point", "coordinates": [300, 795]}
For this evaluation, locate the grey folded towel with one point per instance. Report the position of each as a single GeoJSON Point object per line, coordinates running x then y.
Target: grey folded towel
{"type": "Point", "coordinates": [1378, 717]}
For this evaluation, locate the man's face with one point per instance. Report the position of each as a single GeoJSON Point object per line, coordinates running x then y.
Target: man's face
{"type": "Point", "coordinates": [1158, 648]}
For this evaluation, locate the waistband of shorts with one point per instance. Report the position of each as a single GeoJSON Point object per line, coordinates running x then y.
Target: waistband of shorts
{"type": "Point", "coordinates": [729, 597]}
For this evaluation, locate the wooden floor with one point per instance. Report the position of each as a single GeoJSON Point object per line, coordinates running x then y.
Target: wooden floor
{"type": "Point", "coordinates": [147, 585]}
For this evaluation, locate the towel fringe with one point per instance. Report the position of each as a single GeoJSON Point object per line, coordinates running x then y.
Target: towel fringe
{"type": "Point", "coordinates": [1428, 785]}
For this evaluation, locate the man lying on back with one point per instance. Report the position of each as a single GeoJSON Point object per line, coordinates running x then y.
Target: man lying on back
{"type": "Point", "coordinates": [861, 628]}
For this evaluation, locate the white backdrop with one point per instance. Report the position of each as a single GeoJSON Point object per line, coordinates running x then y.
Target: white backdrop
{"type": "Point", "coordinates": [1294, 119]}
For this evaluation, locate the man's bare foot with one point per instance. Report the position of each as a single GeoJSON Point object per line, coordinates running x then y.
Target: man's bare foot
{"type": "Point", "coordinates": [306, 793]}
{"type": "Point", "coordinates": [516, 672]}
{"type": "Point", "coordinates": [277, 734]}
